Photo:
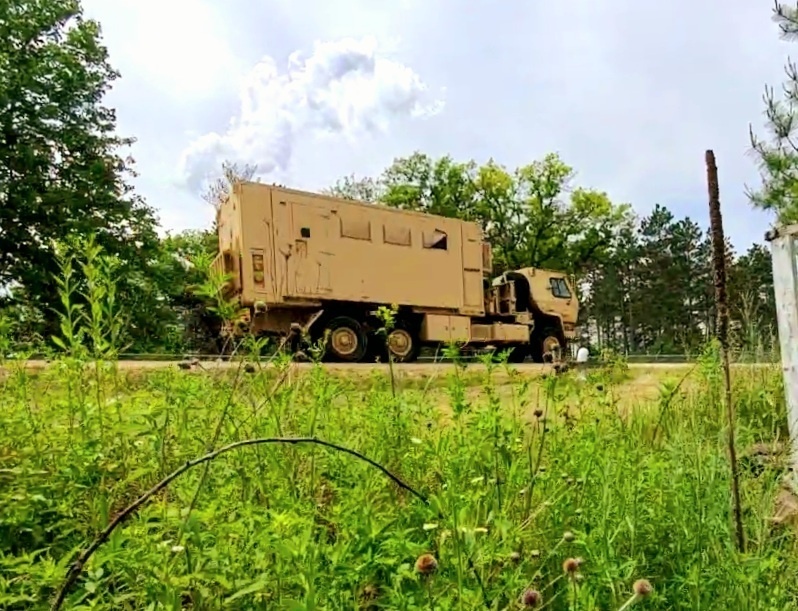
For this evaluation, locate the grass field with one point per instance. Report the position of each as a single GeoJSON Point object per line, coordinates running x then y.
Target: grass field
{"type": "Point", "coordinates": [572, 489]}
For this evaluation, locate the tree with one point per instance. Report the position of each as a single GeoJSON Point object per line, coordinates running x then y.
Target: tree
{"type": "Point", "coordinates": [60, 171]}
{"type": "Point", "coordinates": [195, 327]}
{"type": "Point", "coordinates": [778, 157]}
{"type": "Point", "coordinates": [531, 216]}
{"type": "Point", "coordinates": [353, 188]}
{"type": "Point", "coordinates": [231, 173]}
{"type": "Point", "coordinates": [752, 302]}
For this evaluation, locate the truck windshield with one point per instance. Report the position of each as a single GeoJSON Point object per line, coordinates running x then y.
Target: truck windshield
{"type": "Point", "coordinates": [559, 288]}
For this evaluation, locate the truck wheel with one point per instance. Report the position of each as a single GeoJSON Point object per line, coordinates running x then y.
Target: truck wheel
{"type": "Point", "coordinates": [518, 354]}
{"type": "Point", "coordinates": [548, 347]}
{"type": "Point", "coordinates": [347, 340]}
{"type": "Point", "coordinates": [402, 344]}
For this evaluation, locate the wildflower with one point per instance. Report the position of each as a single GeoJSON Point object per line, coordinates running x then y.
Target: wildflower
{"type": "Point", "coordinates": [568, 536]}
{"type": "Point", "coordinates": [515, 556]}
{"type": "Point", "coordinates": [535, 553]}
{"type": "Point", "coordinates": [531, 599]}
{"type": "Point", "coordinates": [642, 588]}
{"type": "Point", "coordinates": [570, 566]}
{"type": "Point", "coordinates": [177, 549]}
{"type": "Point", "coordinates": [426, 564]}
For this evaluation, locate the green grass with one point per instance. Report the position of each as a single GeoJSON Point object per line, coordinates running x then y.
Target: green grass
{"type": "Point", "coordinates": [307, 527]}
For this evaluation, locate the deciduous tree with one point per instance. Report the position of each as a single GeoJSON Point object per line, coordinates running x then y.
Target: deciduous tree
{"type": "Point", "coordinates": [61, 171]}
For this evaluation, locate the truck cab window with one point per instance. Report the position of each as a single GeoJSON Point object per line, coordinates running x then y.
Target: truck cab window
{"type": "Point", "coordinates": [559, 288]}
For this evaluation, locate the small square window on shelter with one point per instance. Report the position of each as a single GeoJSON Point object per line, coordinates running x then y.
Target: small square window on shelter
{"type": "Point", "coordinates": [355, 228]}
{"type": "Point", "coordinates": [436, 240]}
{"type": "Point", "coordinates": [396, 235]}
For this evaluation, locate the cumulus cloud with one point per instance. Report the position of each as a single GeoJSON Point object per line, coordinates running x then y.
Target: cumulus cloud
{"type": "Point", "coordinates": [345, 87]}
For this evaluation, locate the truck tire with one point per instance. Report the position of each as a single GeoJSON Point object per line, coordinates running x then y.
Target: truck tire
{"type": "Point", "coordinates": [347, 340]}
{"type": "Point", "coordinates": [547, 346]}
{"type": "Point", "coordinates": [402, 344]}
{"type": "Point", "coordinates": [518, 354]}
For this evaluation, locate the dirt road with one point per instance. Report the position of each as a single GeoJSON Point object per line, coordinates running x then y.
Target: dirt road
{"type": "Point", "coordinates": [414, 369]}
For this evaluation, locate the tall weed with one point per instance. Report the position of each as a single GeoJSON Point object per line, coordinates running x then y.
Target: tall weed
{"type": "Point", "coordinates": [548, 491]}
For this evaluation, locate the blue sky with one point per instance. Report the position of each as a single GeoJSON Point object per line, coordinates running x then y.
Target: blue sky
{"type": "Point", "coordinates": [630, 94]}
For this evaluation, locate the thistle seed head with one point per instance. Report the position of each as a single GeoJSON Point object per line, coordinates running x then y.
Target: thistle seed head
{"type": "Point", "coordinates": [570, 566]}
{"type": "Point", "coordinates": [426, 564]}
{"type": "Point", "coordinates": [531, 599]}
{"type": "Point", "coordinates": [642, 588]}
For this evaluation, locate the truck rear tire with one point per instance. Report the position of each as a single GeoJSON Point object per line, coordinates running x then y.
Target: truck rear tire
{"type": "Point", "coordinates": [347, 341]}
{"type": "Point", "coordinates": [518, 354]}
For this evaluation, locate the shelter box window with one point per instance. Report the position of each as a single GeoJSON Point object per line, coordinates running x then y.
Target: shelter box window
{"type": "Point", "coordinates": [356, 229]}
{"type": "Point", "coordinates": [435, 240]}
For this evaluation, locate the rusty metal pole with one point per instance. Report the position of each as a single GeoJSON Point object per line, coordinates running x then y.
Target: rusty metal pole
{"type": "Point", "coordinates": [722, 331]}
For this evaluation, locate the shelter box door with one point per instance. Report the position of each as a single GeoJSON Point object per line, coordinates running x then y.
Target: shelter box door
{"type": "Point", "coordinates": [312, 258]}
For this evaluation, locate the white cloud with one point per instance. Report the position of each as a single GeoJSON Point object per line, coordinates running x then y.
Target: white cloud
{"type": "Point", "coordinates": [346, 87]}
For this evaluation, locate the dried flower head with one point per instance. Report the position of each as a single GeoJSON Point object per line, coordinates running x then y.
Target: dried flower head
{"type": "Point", "coordinates": [538, 413]}
{"type": "Point", "coordinates": [642, 588]}
{"type": "Point", "coordinates": [570, 566]}
{"type": "Point", "coordinates": [531, 599]}
{"type": "Point", "coordinates": [370, 592]}
{"type": "Point", "coordinates": [426, 564]}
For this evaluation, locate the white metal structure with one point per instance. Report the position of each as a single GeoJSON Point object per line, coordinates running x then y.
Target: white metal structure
{"type": "Point", "coordinates": [783, 249]}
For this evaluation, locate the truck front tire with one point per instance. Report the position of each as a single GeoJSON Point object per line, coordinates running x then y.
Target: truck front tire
{"type": "Point", "coordinates": [548, 346]}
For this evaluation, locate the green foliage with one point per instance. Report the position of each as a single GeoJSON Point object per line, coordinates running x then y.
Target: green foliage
{"type": "Point", "coordinates": [530, 473]}
{"type": "Point", "coordinates": [532, 216]}
{"type": "Point", "coordinates": [655, 291]}
{"type": "Point", "coordinates": [646, 284]}
{"type": "Point", "coordinates": [778, 156]}
{"type": "Point", "coordinates": [61, 173]}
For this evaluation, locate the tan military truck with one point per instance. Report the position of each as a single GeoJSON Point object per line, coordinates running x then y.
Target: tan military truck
{"type": "Point", "coordinates": [325, 265]}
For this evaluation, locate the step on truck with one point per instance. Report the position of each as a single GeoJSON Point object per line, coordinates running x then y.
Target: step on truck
{"type": "Point", "coordinates": [324, 265]}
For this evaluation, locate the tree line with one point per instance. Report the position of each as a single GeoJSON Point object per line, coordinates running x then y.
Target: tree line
{"type": "Point", "coordinates": [645, 282]}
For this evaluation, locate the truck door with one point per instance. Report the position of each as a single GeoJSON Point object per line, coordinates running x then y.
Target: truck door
{"type": "Point", "coordinates": [310, 272]}
{"type": "Point", "coordinates": [473, 301]}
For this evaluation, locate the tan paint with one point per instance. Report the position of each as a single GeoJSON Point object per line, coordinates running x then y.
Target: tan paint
{"type": "Point", "coordinates": [294, 255]}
